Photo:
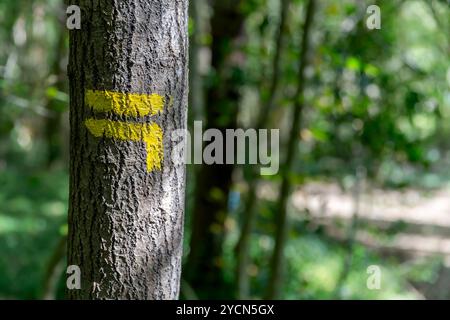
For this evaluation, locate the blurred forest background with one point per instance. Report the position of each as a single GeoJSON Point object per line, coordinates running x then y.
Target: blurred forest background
{"type": "Point", "coordinates": [365, 175]}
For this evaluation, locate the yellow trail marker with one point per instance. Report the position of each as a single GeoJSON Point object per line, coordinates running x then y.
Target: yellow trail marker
{"type": "Point", "coordinates": [151, 134]}
{"type": "Point", "coordinates": [128, 104]}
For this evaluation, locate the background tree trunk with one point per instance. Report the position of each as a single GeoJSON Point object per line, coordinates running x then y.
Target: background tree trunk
{"type": "Point", "coordinates": [53, 123]}
{"type": "Point", "coordinates": [276, 262]}
{"type": "Point", "coordinates": [242, 246]}
{"type": "Point", "coordinates": [126, 220]}
{"type": "Point", "coordinates": [204, 265]}
{"type": "Point", "coordinates": [196, 93]}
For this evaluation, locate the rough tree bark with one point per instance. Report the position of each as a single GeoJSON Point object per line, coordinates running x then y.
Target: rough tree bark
{"type": "Point", "coordinates": [204, 264]}
{"type": "Point", "coordinates": [128, 89]}
{"type": "Point", "coordinates": [276, 262]}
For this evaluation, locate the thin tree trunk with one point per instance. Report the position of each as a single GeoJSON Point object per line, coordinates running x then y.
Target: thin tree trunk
{"type": "Point", "coordinates": [358, 189]}
{"type": "Point", "coordinates": [128, 90]}
{"type": "Point", "coordinates": [54, 270]}
{"type": "Point", "coordinates": [54, 120]}
{"type": "Point", "coordinates": [242, 247]}
{"type": "Point", "coordinates": [285, 190]}
{"type": "Point", "coordinates": [204, 264]}
{"type": "Point", "coordinates": [196, 94]}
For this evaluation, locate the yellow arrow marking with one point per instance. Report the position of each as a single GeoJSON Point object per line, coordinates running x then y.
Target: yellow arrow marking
{"type": "Point", "coordinates": [151, 134]}
{"type": "Point", "coordinates": [128, 104]}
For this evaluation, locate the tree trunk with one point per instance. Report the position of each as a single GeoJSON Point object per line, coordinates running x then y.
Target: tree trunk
{"type": "Point", "coordinates": [242, 247]}
{"type": "Point", "coordinates": [128, 90]}
{"type": "Point", "coordinates": [285, 190]}
{"type": "Point", "coordinates": [196, 94]}
{"type": "Point", "coordinates": [54, 270]}
{"type": "Point", "coordinates": [53, 122]}
{"type": "Point", "coordinates": [214, 181]}
{"type": "Point", "coordinates": [358, 190]}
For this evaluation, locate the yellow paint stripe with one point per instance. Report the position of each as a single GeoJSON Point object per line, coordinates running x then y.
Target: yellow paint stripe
{"type": "Point", "coordinates": [150, 133]}
{"type": "Point", "coordinates": [128, 104]}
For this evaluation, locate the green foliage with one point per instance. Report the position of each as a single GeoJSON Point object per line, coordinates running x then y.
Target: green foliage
{"type": "Point", "coordinates": [33, 209]}
{"type": "Point", "coordinates": [314, 265]}
{"type": "Point", "coordinates": [374, 98]}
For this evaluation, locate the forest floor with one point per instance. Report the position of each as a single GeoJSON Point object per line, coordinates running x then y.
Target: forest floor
{"type": "Point", "coordinates": [410, 224]}
{"type": "Point", "coordinates": [415, 221]}
{"type": "Point", "coordinates": [407, 225]}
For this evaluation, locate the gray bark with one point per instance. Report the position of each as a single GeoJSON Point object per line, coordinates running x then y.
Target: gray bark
{"type": "Point", "coordinates": [126, 224]}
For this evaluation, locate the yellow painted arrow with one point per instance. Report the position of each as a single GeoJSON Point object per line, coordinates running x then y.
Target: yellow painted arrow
{"type": "Point", "coordinates": [129, 104]}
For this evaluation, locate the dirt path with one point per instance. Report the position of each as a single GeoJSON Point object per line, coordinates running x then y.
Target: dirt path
{"type": "Point", "coordinates": [419, 221]}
